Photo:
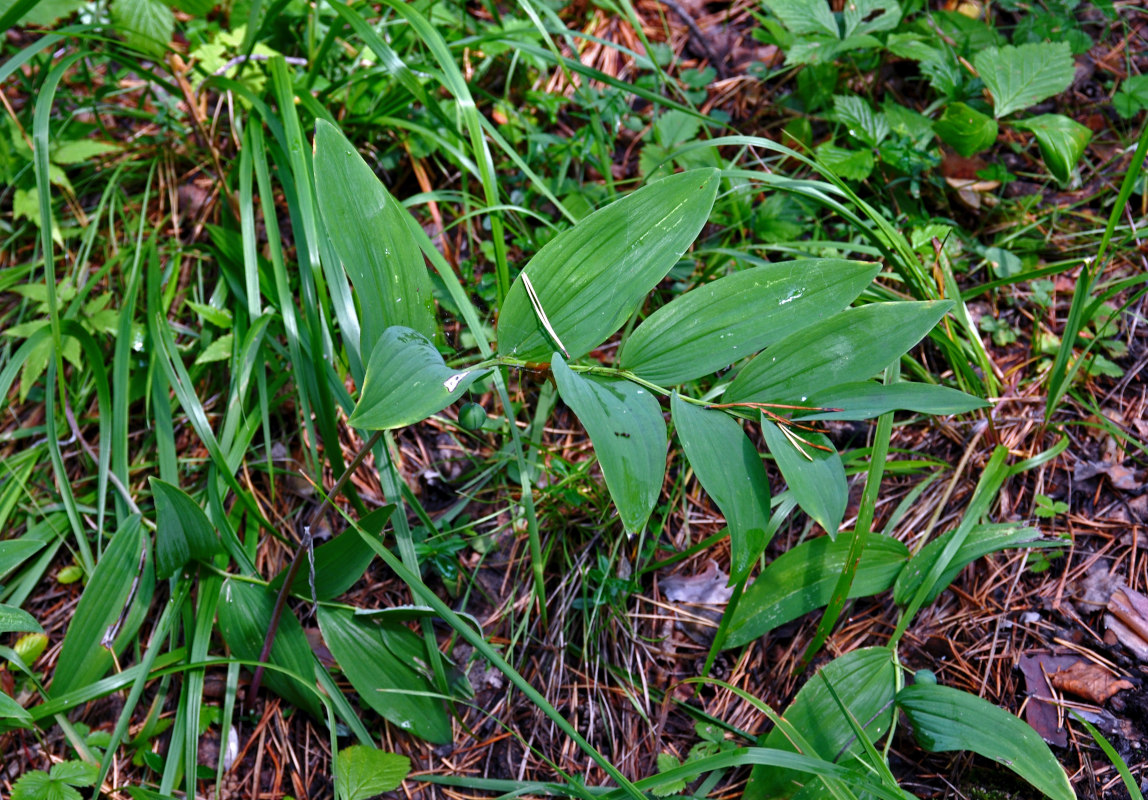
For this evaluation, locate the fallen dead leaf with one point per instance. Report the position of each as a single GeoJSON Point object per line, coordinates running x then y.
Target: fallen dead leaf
{"type": "Point", "coordinates": [1089, 681]}
{"type": "Point", "coordinates": [1128, 619]}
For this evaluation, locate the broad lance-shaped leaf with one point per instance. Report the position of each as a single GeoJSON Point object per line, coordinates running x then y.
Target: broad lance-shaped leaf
{"type": "Point", "coordinates": [946, 719]}
{"type": "Point", "coordinates": [369, 233]}
{"type": "Point", "coordinates": [591, 278]}
{"type": "Point", "coordinates": [1062, 142]}
{"type": "Point", "coordinates": [729, 468]}
{"type": "Point", "coordinates": [733, 317]}
{"type": "Point", "coordinates": [406, 382]}
{"type": "Point", "coordinates": [18, 620]}
{"type": "Point", "coordinates": [244, 617]}
{"type": "Point", "coordinates": [340, 562]}
{"type": "Point", "coordinates": [815, 475]}
{"type": "Point", "coordinates": [868, 399]}
{"type": "Point", "coordinates": [802, 579]}
{"type": "Point", "coordinates": [626, 427]}
{"type": "Point", "coordinates": [1019, 77]}
{"type": "Point", "coordinates": [384, 682]}
{"type": "Point", "coordinates": [119, 573]}
{"type": "Point", "coordinates": [848, 347]}
{"type": "Point", "coordinates": [183, 532]}
{"type": "Point", "coordinates": [864, 680]}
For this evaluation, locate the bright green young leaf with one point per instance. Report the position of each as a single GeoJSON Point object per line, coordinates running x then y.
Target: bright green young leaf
{"type": "Point", "coordinates": [869, 399]}
{"type": "Point", "coordinates": [17, 620]}
{"type": "Point", "coordinates": [805, 17]}
{"type": "Point", "coordinates": [1132, 97]}
{"type": "Point", "coordinates": [59, 784]}
{"type": "Point", "coordinates": [1062, 142]}
{"type": "Point", "coordinates": [802, 578]}
{"type": "Point", "coordinates": [853, 165]}
{"type": "Point", "coordinates": [865, 682]}
{"type": "Point", "coordinates": [815, 475]}
{"type": "Point", "coordinates": [1019, 77]}
{"type": "Point", "coordinates": [83, 657]}
{"type": "Point", "coordinates": [730, 469]}
{"type": "Point", "coordinates": [946, 719]}
{"type": "Point", "coordinates": [244, 617]}
{"type": "Point", "coordinates": [218, 350]}
{"type": "Point", "coordinates": [870, 16]}
{"type": "Point", "coordinates": [146, 25]}
{"type": "Point", "coordinates": [865, 125]}
{"type": "Point", "coordinates": [982, 540]}
{"type": "Point", "coordinates": [368, 230]}
{"type": "Point", "coordinates": [966, 130]}
{"type": "Point", "coordinates": [592, 277]}
{"type": "Point", "coordinates": [726, 320]}
{"type": "Point", "coordinates": [406, 382]}
{"type": "Point", "coordinates": [45, 12]}
{"type": "Point", "coordinates": [340, 562]}
{"type": "Point", "coordinates": [848, 347]}
{"type": "Point", "coordinates": [626, 427]}
{"type": "Point", "coordinates": [365, 772]}
{"type": "Point", "coordinates": [80, 150]}
{"type": "Point", "coordinates": [183, 532]}
{"type": "Point", "coordinates": [384, 682]}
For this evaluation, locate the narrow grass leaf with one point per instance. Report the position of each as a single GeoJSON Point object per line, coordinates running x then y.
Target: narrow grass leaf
{"type": "Point", "coordinates": [406, 382]}
{"type": "Point", "coordinates": [183, 532]}
{"type": "Point", "coordinates": [815, 475]}
{"type": "Point", "coordinates": [946, 719]}
{"type": "Point", "coordinates": [592, 277]}
{"type": "Point", "coordinates": [865, 683]}
{"type": "Point", "coordinates": [384, 682]}
{"type": "Point", "coordinates": [868, 399]}
{"type": "Point", "coordinates": [1019, 77]}
{"type": "Point", "coordinates": [626, 427]}
{"type": "Point", "coordinates": [116, 581]}
{"type": "Point", "coordinates": [244, 617]}
{"type": "Point", "coordinates": [802, 579]}
{"type": "Point", "coordinates": [730, 469]}
{"type": "Point", "coordinates": [733, 317]}
{"type": "Point", "coordinates": [364, 772]}
{"type": "Point", "coordinates": [339, 562]}
{"type": "Point", "coordinates": [366, 227]}
{"type": "Point", "coordinates": [848, 347]}
{"type": "Point", "coordinates": [1062, 142]}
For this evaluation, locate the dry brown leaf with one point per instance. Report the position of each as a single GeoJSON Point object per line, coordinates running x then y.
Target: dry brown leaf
{"type": "Point", "coordinates": [1090, 681]}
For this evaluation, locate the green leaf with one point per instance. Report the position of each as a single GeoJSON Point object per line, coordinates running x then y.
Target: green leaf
{"type": "Point", "coordinates": [966, 130]}
{"type": "Point", "coordinates": [626, 427]}
{"type": "Point", "coordinates": [802, 578]}
{"type": "Point", "coordinates": [848, 347]}
{"type": "Point", "coordinates": [721, 322]}
{"type": "Point", "coordinates": [146, 25]}
{"type": "Point", "coordinates": [80, 150]}
{"type": "Point", "coordinates": [368, 230]}
{"type": "Point", "coordinates": [866, 125]}
{"type": "Point", "coordinates": [1004, 263]}
{"type": "Point", "coordinates": [1062, 142]}
{"type": "Point", "coordinates": [216, 316]}
{"type": "Point", "coordinates": [83, 656]}
{"type": "Point", "coordinates": [814, 475]}
{"type": "Point", "coordinates": [591, 278]}
{"type": "Point", "coordinates": [982, 540]}
{"type": "Point", "coordinates": [864, 680]}
{"type": "Point", "coordinates": [869, 399]}
{"type": "Point", "coordinates": [56, 785]}
{"type": "Point", "coordinates": [406, 382]}
{"type": "Point", "coordinates": [805, 16]}
{"type": "Point", "coordinates": [1019, 77]}
{"type": "Point", "coordinates": [244, 618]}
{"type": "Point", "coordinates": [947, 719]}
{"type": "Point", "coordinates": [364, 772]}
{"type": "Point", "coordinates": [183, 531]}
{"type": "Point", "coordinates": [729, 468]}
{"type": "Point", "coordinates": [1132, 97]}
{"type": "Point", "coordinates": [12, 712]}
{"type": "Point", "coordinates": [218, 350]}
{"type": "Point", "coordinates": [340, 562]}
{"type": "Point", "coordinates": [853, 165]}
{"type": "Point", "coordinates": [44, 12]}
{"type": "Point", "coordinates": [384, 682]}
{"type": "Point", "coordinates": [869, 16]}
{"type": "Point", "coordinates": [17, 620]}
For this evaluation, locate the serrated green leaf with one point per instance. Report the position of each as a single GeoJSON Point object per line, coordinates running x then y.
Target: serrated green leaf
{"type": "Point", "coordinates": [340, 562]}
{"type": "Point", "coordinates": [218, 350]}
{"type": "Point", "coordinates": [626, 427]}
{"type": "Point", "coordinates": [80, 150]}
{"type": "Point", "coordinates": [805, 16]}
{"type": "Point", "coordinates": [44, 13]}
{"type": "Point", "coordinates": [17, 620]}
{"type": "Point", "coordinates": [870, 16]}
{"type": "Point", "coordinates": [865, 682]}
{"type": "Point", "coordinates": [802, 579]}
{"type": "Point", "coordinates": [216, 316]}
{"type": "Point", "coordinates": [1019, 77]}
{"type": "Point", "coordinates": [183, 531]}
{"type": "Point", "coordinates": [946, 719]}
{"type": "Point", "coordinates": [365, 772]}
{"type": "Point", "coordinates": [853, 165]}
{"type": "Point", "coordinates": [592, 277]}
{"type": "Point", "coordinates": [244, 617]}
{"type": "Point", "coordinates": [406, 382]}
{"type": "Point", "coordinates": [1062, 142]}
{"type": "Point", "coordinates": [1132, 97]}
{"type": "Point", "coordinates": [846, 348]}
{"type": "Point", "coordinates": [966, 130]}
{"type": "Point", "coordinates": [729, 468]}
{"type": "Point", "coordinates": [83, 657]}
{"type": "Point", "coordinates": [37, 785]}
{"type": "Point", "coordinates": [814, 474]}
{"type": "Point", "coordinates": [146, 25]}
{"type": "Point", "coordinates": [368, 230]}
{"type": "Point", "coordinates": [864, 124]}
{"type": "Point", "coordinates": [868, 399]}
{"type": "Point", "coordinates": [384, 682]}
{"type": "Point", "coordinates": [721, 322]}
{"type": "Point", "coordinates": [74, 773]}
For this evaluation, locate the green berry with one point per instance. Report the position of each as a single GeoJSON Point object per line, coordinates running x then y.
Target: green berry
{"type": "Point", "coordinates": [925, 676]}
{"type": "Point", "coordinates": [472, 416]}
